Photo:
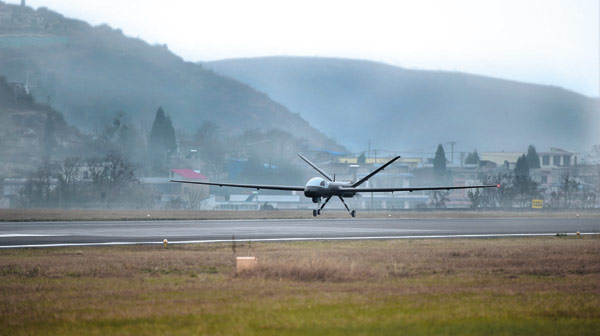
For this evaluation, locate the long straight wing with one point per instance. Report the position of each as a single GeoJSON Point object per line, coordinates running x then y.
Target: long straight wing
{"type": "Point", "coordinates": [361, 181]}
{"type": "Point", "coordinates": [315, 167]}
{"type": "Point", "coordinates": [251, 186]}
{"type": "Point", "coordinates": [411, 189]}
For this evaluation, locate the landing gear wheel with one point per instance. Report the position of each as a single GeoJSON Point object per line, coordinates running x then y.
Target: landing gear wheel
{"type": "Point", "coordinates": [314, 213]}
{"type": "Point", "coordinates": [319, 212]}
{"type": "Point", "coordinates": [353, 213]}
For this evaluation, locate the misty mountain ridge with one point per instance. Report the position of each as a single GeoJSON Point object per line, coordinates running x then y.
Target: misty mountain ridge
{"type": "Point", "coordinates": [91, 73]}
{"type": "Point", "coordinates": [405, 110]}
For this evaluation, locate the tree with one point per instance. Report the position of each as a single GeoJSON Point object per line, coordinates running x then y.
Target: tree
{"type": "Point", "coordinates": [162, 134]}
{"type": "Point", "coordinates": [594, 156]}
{"type": "Point", "coordinates": [477, 198]}
{"type": "Point", "coordinates": [439, 163]}
{"type": "Point", "coordinates": [587, 197]}
{"type": "Point", "coordinates": [38, 190]}
{"type": "Point", "coordinates": [113, 178]}
{"type": "Point", "coordinates": [522, 166]}
{"type": "Point", "coordinates": [525, 190]}
{"type": "Point", "coordinates": [69, 181]}
{"type": "Point", "coordinates": [212, 148]}
{"type": "Point", "coordinates": [533, 159]}
{"type": "Point", "coordinates": [120, 135]}
{"type": "Point", "coordinates": [362, 158]}
{"type": "Point", "coordinates": [439, 199]}
{"type": "Point", "coordinates": [194, 194]}
{"type": "Point", "coordinates": [567, 189]}
{"type": "Point", "coordinates": [162, 142]}
{"type": "Point", "coordinates": [472, 158]}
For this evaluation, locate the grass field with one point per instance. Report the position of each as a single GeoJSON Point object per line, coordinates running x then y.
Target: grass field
{"type": "Point", "coordinates": [543, 286]}
{"type": "Point", "coordinates": [116, 214]}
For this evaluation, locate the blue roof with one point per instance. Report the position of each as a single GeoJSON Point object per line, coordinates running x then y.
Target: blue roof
{"type": "Point", "coordinates": [327, 151]}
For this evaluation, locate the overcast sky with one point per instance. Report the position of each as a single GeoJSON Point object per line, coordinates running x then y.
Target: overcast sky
{"type": "Point", "coordinates": [553, 42]}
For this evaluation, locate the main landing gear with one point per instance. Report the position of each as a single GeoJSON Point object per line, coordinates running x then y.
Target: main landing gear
{"type": "Point", "coordinates": [317, 211]}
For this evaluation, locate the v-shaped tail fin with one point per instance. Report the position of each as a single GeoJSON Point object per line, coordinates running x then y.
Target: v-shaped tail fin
{"type": "Point", "coordinates": [364, 179]}
{"type": "Point", "coordinates": [315, 167]}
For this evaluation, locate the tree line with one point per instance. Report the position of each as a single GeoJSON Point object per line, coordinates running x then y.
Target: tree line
{"type": "Point", "coordinates": [107, 181]}
{"type": "Point", "coordinates": [518, 189]}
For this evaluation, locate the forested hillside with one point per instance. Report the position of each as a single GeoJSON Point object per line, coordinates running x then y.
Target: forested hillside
{"type": "Point", "coordinates": [91, 73]}
{"type": "Point", "coordinates": [401, 109]}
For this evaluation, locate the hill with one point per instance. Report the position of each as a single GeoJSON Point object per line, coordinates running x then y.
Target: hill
{"type": "Point", "coordinates": [31, 132]}
{"type": "Point", "coordinates": [400, 109]}
{"type": "Point", "coordinates": [91, 73]}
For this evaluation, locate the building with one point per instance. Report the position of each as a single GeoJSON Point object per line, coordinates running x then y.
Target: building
{"type": "Point", "coordinates": [188, 195]}
{"type": "Point", "coordinates": [556, 157]}
{"type": "Point", "coordinates": [412, 162]}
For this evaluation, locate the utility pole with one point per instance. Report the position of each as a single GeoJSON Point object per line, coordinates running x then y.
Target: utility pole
{"type": "Point", "coordinates": [452, 143]}
{"type": "Point", "coordinates": [369, 151]}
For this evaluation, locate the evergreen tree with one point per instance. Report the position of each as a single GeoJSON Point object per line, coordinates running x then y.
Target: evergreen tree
{"type": "Point", "coordinates": [170, 141]}
{"type": "Point", "coordinates": [472, 158]}
{"type": "Point", "coordinates": [439, 162]}
{"type": "Point", "coordinates": [162, 135]}
{"type": "Point", "coordinates": [522, 167]}
{"type": "Point", "coordinates": [362, 159]}
{"type": "Point", "coordinates": [532, 158]}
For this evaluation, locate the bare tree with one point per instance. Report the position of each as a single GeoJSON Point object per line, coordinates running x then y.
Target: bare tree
{"type": "Point", "coordinates": [38, 189]}
{"type": "Point", "coordinates": [439, 199]}
{"type": "Point", "coordinates": [69, 181]}
{"type": "Point", "coordinates": [568, 189]}
{"type": "Point", "coordinates": [194, 195]}
{"type": "Point", "coordinates": [112, 177]}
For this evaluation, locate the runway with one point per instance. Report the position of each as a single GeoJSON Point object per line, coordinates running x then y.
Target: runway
{"type": "Point", "coordinates": [78, 233]}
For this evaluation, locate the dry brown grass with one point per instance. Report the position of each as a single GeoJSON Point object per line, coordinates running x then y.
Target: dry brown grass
{"type": "Point", "coordinates": [554, 257]}
{"type": "Point", "coordinates": [466, 283]}
{"type": "Point", "coordinates": [112, 214]}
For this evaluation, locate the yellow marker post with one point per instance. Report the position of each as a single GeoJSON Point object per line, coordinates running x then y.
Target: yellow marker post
{"type": "Point", "coordinates": [537, 204]}
{"type": "Point", "coordinates": [165, 242]}
{"type": "Point", "coordinates": [578, 234]}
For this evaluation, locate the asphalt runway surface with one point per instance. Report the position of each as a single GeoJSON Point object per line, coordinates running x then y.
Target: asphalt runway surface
{"type": "Point", "coordinates": [77, 233]}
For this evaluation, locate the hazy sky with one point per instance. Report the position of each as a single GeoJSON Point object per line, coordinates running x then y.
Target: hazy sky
{"type": "Point", "coordinates": [552, 42]}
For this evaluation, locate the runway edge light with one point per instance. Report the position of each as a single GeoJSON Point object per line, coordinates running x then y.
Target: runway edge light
{"type": "Point", "coordinates": [165, 242]}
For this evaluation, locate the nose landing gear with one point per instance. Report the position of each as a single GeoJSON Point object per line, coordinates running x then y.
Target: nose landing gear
{"type": "Point", "coordinates": [320, 207]}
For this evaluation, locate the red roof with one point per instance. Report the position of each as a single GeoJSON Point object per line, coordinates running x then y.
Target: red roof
{"type": "Point", "coordinates": [189, 174]}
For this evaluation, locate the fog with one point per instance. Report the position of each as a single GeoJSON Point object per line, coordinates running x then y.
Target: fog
{"type": "Point", "coordinates": [93, 118]}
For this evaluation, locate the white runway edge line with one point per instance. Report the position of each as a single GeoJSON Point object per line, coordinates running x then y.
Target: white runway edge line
{"type": "Point", "coordinates": [491, 235]}
{"type": "Point", "coordinates": [13, 235]}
